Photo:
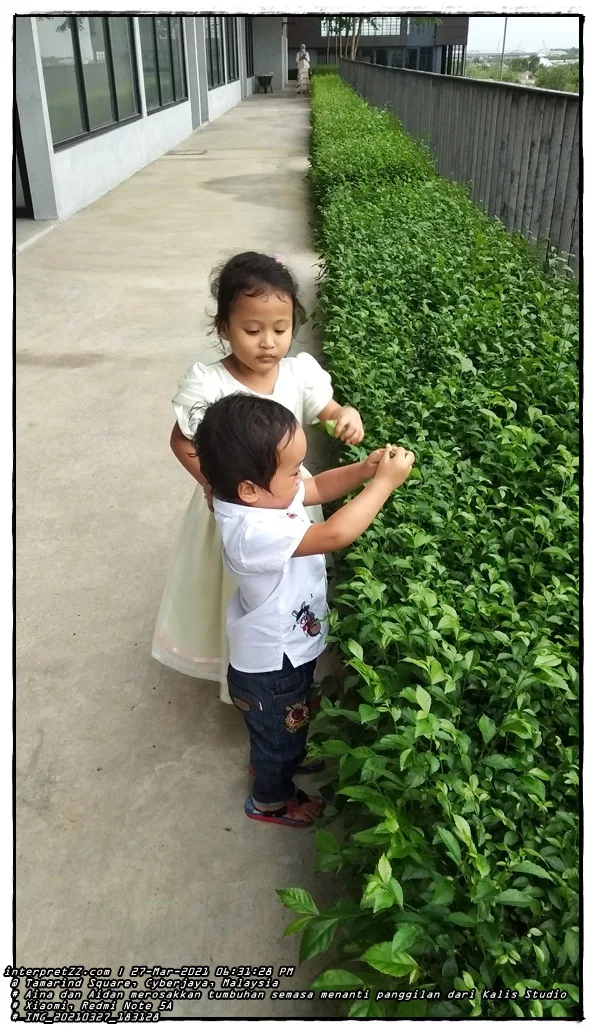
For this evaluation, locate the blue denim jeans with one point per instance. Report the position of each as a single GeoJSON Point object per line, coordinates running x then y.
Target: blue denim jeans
{"type": "Point", "coordinates": [276, 709]}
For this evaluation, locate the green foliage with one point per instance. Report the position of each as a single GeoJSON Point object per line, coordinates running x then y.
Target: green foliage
{"type": "Point", "coordinates": [453, 739]}
{"type": "Point", "coordinates": [358, 143]}
{"type": "Point", "coordinates": [558, 77]}
{"type": "Point", "coordinates": [493, 71]}
{"type": "Point", "coordinates": [320, 70]}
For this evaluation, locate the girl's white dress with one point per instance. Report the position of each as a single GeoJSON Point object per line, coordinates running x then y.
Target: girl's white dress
{"type": "Point", "coordinates": [189, 634]}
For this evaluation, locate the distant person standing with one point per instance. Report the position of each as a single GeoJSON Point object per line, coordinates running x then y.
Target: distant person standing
{"type": "Point", "coordinates": [303, 65]}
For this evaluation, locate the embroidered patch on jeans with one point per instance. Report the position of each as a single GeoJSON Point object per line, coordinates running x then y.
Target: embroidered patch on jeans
{"type": "Point", "coordinates": [297, 716]}
{"type": "Point", "coordinates": [240, 703]}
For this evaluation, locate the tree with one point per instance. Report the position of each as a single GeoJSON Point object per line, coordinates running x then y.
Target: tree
{"type": "Point", "coordinates": [492, 72]}
{"type": "Point", "coordinates": [559, 77]}
{"type": "Point", "coordinates": [533, 62]}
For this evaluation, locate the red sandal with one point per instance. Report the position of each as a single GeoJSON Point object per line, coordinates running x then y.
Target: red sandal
{"type": "Point", "coordinates": [285, 815]}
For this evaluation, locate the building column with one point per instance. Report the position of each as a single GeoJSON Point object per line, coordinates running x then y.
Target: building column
{"type": "Point", "coordinates": [34, 119]}
{"type": "Point", "coordinates": [242, 56]}
{"type": "Point", "coordinates": [202, 68]}
{"type": "Point", "coordinates": [138, 55]}
{"type": "Point", "coordinates": [192, 70]}
{"type": "Point", "coordinates": [284, 52]}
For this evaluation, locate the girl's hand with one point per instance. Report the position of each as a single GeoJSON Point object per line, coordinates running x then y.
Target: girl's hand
{"type": "Point", "coordinates": [208, 493]}
{"type": "Point", "coordinates": [349, 426]}
{"type": "Point", "coordinates": [372, 463]}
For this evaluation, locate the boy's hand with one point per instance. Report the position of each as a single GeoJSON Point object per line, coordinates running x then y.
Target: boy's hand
{"type": "Point", "coordinates": [395, 465]}
{"type": "Point", "coordinates": [349, 426]}
{"type": "Point", "coordinates": [371, 464]}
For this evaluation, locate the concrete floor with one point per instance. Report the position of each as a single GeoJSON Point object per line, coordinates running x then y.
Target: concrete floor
{"type": "Point", "coordinates": [26, 231]}
{"type": "Point", "coordinates": [132, 844]}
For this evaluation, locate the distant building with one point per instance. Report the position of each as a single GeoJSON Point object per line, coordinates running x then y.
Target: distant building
{"type": "Point", "coordinates": [399, 42]}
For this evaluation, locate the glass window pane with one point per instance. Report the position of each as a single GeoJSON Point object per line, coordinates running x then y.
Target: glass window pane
{"type": "Point", "coordinates": [250, 67]}
{"type": "Point", "coordinates": [220, 50]}
{"type": "Point", "coordinates": [95, 72]}
{"type": "Point", "coordinates": [209, 55]}
{"type": "Point", "coordinates": [122, 57]}
{"type": "Point", "coordinates": [149, 69]}
{"type": "Point", "coordinates": [57, 58]}
{"type": "Point", "coordinates": [212, 41]}
{"type": "Point", "coordinates": [177, 44]}
{"type": "Point", "coordinates": [165, 60]}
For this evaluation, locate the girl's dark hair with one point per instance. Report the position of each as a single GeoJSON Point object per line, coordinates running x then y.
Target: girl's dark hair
{"type": "Point", "coordinates": [255, 275]}
{"type": "Point", "coordinates": [237, 440]}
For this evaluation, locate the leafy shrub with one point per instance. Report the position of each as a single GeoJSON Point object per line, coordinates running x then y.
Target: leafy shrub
{"type": "Point", "coordinates": [353, 142]}
{"type": "Point", "coordinates": [558, 77]}
{"type": "Point", "coordinates": [325, 70]}
{"type": "Point", "coordinates": [453, 741]}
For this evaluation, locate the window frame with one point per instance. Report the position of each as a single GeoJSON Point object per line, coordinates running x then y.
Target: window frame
{"type": "Point", "coordinates": [249, 47]}
{"type": "Point", "coordinates": [181, 100]}
{"type": "Point", "coordinates": [231, 42]}
{"type": "Point", "coordinates": [219, 51]}
{"type": "Point", "coordinates": [88, 133]}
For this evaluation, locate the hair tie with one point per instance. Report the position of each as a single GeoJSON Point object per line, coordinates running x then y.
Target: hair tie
{"type": "Point", "coordinates": [280, 259]}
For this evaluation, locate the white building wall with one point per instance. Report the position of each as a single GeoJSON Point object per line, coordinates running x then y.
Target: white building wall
{"type": "Point", "coordinates": [223, 98]}
{"type": "Point", "coordinates": [87, 170]}
{"type": "Point", "coordinates": [268, 49]}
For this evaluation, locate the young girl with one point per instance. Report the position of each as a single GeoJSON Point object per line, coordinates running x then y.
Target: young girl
{"type": "Point", "coordinates": [258, 312]}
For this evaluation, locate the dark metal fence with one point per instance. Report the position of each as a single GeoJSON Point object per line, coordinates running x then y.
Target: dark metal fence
{"type": "Point", "coordinates": [517, 146]}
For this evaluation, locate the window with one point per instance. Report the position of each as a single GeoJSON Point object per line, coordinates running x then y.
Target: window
{"type": "Point", "coordinates": [89, 71]}
{"type": "Point", "coordinates": [232, 49]}
{"type": "Point", "coordinates": [125, 73]}
{"type": "Point", "coordinates": [370, 27]}
{"type": "Point", "coordinates": [427, 59]}
{"type": "Point", "coordinates": [397, 58]}
{"type": "Point", "coordinates": [164, 70]}
{"type": "Point", "coordinates": [215, 55]}
{"type": "Point", "coordinates": [381, 57]}
{"type": "Point", "coordinates": [250, 56]}
{"type": "Point", "coordinates": [453, 59]}
{"type": "Point", "coordinates": [412, 59]}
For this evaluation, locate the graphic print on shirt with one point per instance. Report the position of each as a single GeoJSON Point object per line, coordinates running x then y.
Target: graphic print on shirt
{"type": "Point", "coordinates": [307, 620]}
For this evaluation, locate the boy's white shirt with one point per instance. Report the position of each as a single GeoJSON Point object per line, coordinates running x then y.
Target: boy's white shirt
{"type": "Point", "coordinates": [280, 604]}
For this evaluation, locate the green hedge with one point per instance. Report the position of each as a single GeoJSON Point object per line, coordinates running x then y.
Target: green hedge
{"type": "Point", "coordinates": [325, 70]}
{"type": "Point", "coordinates": [453, 742]}
{"type": "Point", "coordinates": [354, 143]}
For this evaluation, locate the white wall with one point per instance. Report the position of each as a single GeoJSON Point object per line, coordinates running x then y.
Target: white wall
{"type": "Point", "coordinates": [267, 45]}
{"type": "Point", "coordinates": [85, 171]}
{"type": "Point", "coordinates": [223, 98]}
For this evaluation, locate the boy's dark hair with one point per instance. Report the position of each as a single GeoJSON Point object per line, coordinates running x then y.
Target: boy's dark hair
{"type": "Point", "coordinates": [253, 274]}
{"type": "Point", "coordinates": [237, 440]}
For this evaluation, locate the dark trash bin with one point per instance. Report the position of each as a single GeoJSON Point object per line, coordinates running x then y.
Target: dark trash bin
{"type": "Point", "coordinates": [264, 83]}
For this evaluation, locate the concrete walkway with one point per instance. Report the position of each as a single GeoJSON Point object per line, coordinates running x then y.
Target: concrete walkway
{"type": "Point", "coordinates": [132, 844]}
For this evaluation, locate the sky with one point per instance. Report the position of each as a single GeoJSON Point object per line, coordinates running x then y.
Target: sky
{"type": "Point", "coordinates": [523, 33]}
